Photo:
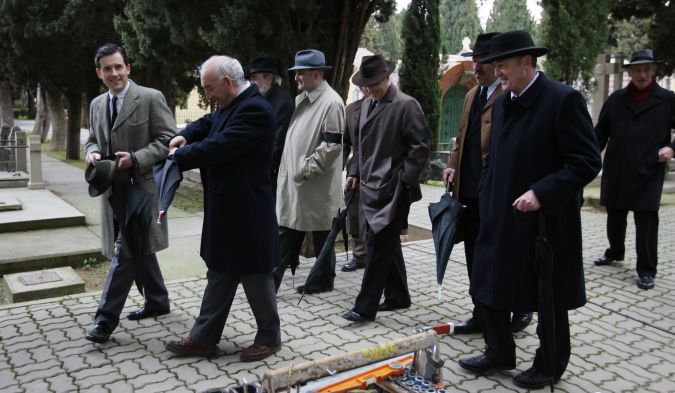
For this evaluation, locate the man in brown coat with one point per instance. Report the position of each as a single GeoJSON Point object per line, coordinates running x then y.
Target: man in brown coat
{"type": "Point", "coordinates": [391, 146]}
{"type": "Point", "coordinates": [466, 162]}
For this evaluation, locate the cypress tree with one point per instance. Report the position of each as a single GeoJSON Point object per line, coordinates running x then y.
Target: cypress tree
{"type": "Point", "coordinates": [459, 19]}
{"type": "Point", "coordinates": [509, 15]}
{"type": "Point", "coordinates": [419, 69]}
{"type": "Point", "coordinates": [575, 31]}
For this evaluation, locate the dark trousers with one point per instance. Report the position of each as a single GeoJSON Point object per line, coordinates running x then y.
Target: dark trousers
{"type": "Point", "coordinates": [290, 243]}
{"type": "Point", "coordinates": [221, 288]}
{"type": "Point", "coordinates": [646, 238]}
{"type": "Point", "coordinates": [123, 272]}
{"type": "Point", "coordinates": [385, 268]}
{"type": "Point", "coordinates": [469, 226]}
{"type": "Point", "coordinates": [500, 346]}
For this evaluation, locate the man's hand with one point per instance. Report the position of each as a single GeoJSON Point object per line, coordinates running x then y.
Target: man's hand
{"type": "Point", "coordinates": [448, 175]}
{"type": "Point", "coordinates": [665, 154]}
{"type": "Point", "coordinates": [92, 158]}
{"type": "Point", "coordinates": [352, 182]}
{"type": "Point", "coordinates": [124, 160]}
{"type": "Point", "coordinates": [527, 202]}
{"type": "Point", "coordinates": [177, 141]}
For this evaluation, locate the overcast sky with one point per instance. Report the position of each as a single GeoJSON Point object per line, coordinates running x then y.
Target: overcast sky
{"type": "Point", "coordinates": [484, 11]}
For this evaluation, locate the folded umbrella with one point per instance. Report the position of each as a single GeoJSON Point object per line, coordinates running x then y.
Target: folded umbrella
{"type": "Point", "coordinates": [132, 208]}
{"type": "Point", "coordinates": [167, 176]}
{"type": "Point", "coordinates": [543, 264]}
{"type": "Point", "coordinates": [320, 278]}
{"type": "Point", "coordinates": [444, 216]}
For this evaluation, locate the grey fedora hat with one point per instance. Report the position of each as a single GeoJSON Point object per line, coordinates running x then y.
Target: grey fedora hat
{"type": "Point", "coordinates": [100, 176]}
{"type": "Point", "coordinates": [481, 46]}
{"type": "Point", "coordinates": [645, 56]}
{"type": "Point", "coordinates": [511, 44]}
{"type": "Point", "coordinates": [310, 59]}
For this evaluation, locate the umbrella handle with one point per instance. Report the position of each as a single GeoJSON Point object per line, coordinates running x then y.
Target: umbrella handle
{"type": "Point", "coordinates": [448, 187]}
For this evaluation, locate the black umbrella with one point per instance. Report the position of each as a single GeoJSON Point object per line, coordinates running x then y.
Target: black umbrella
{"type": "Point", "coordinates": [132, 208]}
{"type": "Point", "coordinates": [444, 215]}
{"type": "Point", "coordinates": [543, 265]}
{"type": "Point", "coordinates": [320, 278]}
{"type": "Point", "coordinates": [168, 176]}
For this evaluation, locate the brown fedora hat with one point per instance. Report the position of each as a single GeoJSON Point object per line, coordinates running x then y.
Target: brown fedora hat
{"type": "Point", "coordinates": [373, 70]}
{"type": "Point", "coordinates": [100, 176]}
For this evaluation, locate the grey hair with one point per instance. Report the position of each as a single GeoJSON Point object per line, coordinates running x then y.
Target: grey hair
{"type": "Point", "coordinates": [278, 80]}
{"type": "Point", "coordinates": [225, 66]}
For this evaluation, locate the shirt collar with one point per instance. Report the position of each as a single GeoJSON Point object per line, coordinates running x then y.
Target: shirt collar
{"type": "Point", "coordinates": [243, 87]}
{"type": "Point", "coordinates": [492, 88]}
{"type": "Point", "coordinates": [514, 95]}
{"type": "Point", "coordinates": [122, 94]}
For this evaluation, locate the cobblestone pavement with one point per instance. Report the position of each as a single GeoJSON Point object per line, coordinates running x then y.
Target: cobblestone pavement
{"type": "Point", "coordinates": [622, 340]}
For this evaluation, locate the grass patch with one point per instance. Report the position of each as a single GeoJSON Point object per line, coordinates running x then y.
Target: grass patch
{"type": "Point", "coordinates": [435, 183]}
{"type": "Point", "coordinates": [189, 197]}
{"type": "Point", "coordinates": [61, 156]}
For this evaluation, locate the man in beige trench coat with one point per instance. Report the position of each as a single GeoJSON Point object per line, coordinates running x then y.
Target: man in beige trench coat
{"type": "Point", "coordinates": [309, 184]}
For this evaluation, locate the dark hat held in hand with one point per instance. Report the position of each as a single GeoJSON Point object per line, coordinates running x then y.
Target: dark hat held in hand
{"type": "Point", "coordinates": [100, 176]}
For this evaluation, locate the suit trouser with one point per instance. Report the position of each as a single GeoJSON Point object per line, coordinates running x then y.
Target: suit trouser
{"type": "Point", "coordinates": [290, 243]}
{"type": "Point", "coordinates": [469, 223]}
{"type": "Point", "coordinates": [122, 273]}
{"type": "Point", "coordinates": [500, 346]}
{"type": "Point", "coordinates": [359, 250]}
{"type": "Point", "coordinates": [221, 288]}
{"type": "Point", "coordinates": [385, 268]}
{"type": "Point", "coordinates": [646, 238]}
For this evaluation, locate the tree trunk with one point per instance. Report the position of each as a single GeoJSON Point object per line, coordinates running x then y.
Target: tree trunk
{"type": "Point", "coordinates": [57, 115]}
{"type": "Point", "coordinates": [6, 105]}
{"type": "Point", "coordinates": [74, 117]}
{"type": "Point", "coordinates": [41, 126]}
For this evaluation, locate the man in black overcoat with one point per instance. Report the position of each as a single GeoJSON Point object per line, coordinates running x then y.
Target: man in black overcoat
{"type": "Point", "coordinates": [542, 153]}
{"type": "Point", "coordinates": [265, 74]}
{"type": "Point", "coordinates": [232, 148]}
{"type": "Point", "coordinates": [635, 125]}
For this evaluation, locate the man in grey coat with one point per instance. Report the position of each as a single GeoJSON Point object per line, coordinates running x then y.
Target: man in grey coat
{"type": "Point", "coordinates": [635, 125]}
{"type": "Point", "coordinates": [391, 146]}
{"type": "Point", "coordinates": [133, 125]}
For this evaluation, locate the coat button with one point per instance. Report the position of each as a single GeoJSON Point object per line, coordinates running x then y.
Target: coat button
{"type": "Point", "coordinates": [363, 182]}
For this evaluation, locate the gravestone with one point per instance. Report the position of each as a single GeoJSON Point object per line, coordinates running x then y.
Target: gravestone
{"type": "Point", "coordinates": [41, 284]}
{"type": "Point", "coordinates": [5, 152]}
{"type": "Point", "coordinates": [20, 142]}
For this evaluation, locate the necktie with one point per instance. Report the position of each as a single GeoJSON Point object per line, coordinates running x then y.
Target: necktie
{"type": "Point", "coordinates": [372, 106]}
{"type": "Point", "coordinates": [482, 99]}
{"type": "Point", "coordinates": [113, 117]}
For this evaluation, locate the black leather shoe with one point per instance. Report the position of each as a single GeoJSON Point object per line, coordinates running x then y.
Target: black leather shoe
{"type": "Point", "coordinates": [467, 327]}
{"type": "Point", "coordinates": [353, 316]}
{"type": "Point", "coordinates": [532, 379]}
{"type": "Point", "coordinates": [143, 313]}
{"type": "Point", "coordinates": [605, 260]}
{"type": "Point", "coordinates": [390, 307]}
{"type": "Point", "coordinates": [353, 265]}
{"type": "Point", "coordinates": [315, 289]}
{"type": "Point", "coordinates": [645, 282]}
{"type": "Point", "coordinates": [483, 364]}
{"type": "Point", "coordinates": [520, 321]}
{"type": "Point", "coordinates": [98, 334]}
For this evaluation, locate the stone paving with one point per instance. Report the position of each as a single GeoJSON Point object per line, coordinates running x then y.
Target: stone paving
{"type": "Point", "coordinates": [623, 340]}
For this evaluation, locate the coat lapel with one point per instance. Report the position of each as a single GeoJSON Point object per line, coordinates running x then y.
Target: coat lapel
{"type": "Point", "coordinates": [128, 106]}
{"type": "Point", "coordinates": [653, 100]}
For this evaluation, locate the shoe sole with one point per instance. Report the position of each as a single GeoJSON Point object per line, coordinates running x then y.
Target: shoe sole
{"type": "Point", "coordinates": [255, 358]}
{"type": "Point", "coordinates": [147, 316]}
{"type": "Point", "coordinates": [96, 340]}
{"type": "Point", "coordinates": [207, 355]}
{"type": "Point", "coordinates": [479, 370]}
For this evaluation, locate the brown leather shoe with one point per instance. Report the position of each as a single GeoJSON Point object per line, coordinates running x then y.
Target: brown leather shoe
{"type": "Point", "coordinates": [258, 352]}
{"type": "Point", "coordinates": [189, 347]}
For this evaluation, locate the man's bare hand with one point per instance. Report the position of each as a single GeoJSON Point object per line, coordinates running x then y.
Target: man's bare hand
{"type": "Point", "coordinates": [527, 202]}
{"type": "Point", "coordinates": [92, 158]}
{"type": "Point", "coordinates": [124, 160]}
{"type": "Point", "coordinates": [176, 142]}
{"type": "Point", "coordinates": [352, 182]}
{"type": "Point", "coordinates": [665, 154]}
{"type": "Point", "coordinates": [448, 175]}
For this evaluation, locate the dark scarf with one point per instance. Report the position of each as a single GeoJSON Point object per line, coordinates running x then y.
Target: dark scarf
{"type": "Point", "coordinates": [639, 96]}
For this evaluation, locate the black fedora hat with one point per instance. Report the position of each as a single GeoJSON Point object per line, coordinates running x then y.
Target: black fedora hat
{"type": "Point", "coordinates": [373, 69]}
{"type": "Point", "coordinates": [100, 176]}
{"type": "Point", "coordinates": [264, 64]}
{"type": "Point", "coordinates": [511, 44]}
{"type": "Point", "coordinates": [310, 59]}
{"type": "Point", "coordinates": [645, 56]}
{"type": "Point", "coordinates": [481, 46]}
